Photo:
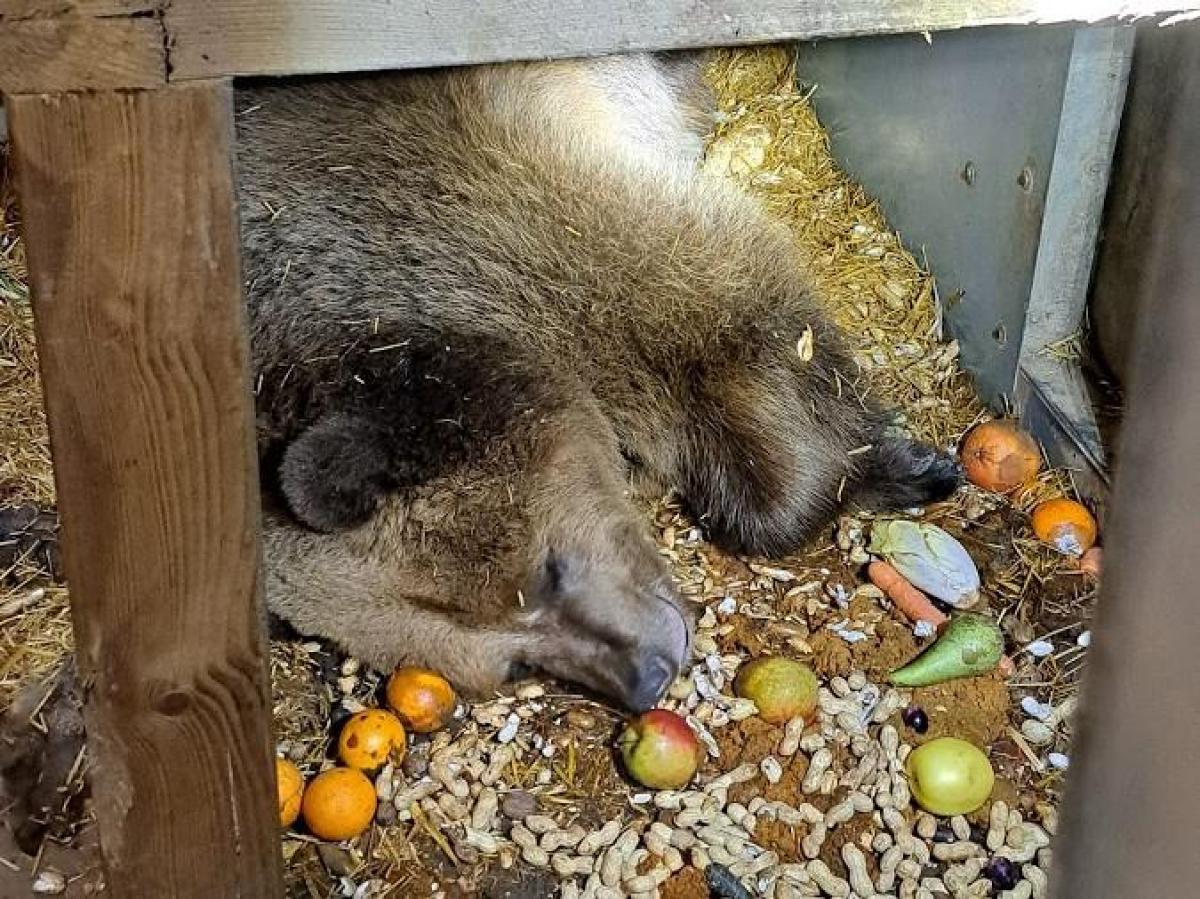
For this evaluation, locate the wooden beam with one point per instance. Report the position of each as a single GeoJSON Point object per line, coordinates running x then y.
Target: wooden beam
{"type": "Point", "coordinates": [44, 44]}
{"type": "Point", "coordinates": [131, 227]}
{"type": "Point", "coordinates": [298, 36]}
{"type": "Point", "coordinates": [80, 53]}
{"type": "Point", "coordinates": [32, 9]}
{"type": "Point", "coordinates": [1133, 789]}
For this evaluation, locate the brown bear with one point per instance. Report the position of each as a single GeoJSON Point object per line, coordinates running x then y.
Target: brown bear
{"type": "Point", "coordinates": [486, 303]}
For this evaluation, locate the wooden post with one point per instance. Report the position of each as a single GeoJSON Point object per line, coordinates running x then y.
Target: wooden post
{"type": "Point", "coordinates": [131, 225]}
{"type": "Point", "coordinates": [1134, 787]}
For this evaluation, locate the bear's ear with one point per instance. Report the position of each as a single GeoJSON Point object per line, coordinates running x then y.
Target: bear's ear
{"type": "Point", "coordinates": [335, 473]}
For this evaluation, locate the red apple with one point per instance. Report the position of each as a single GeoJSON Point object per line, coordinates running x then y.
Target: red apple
{"type": "Point", "coordinates": [660, 750]}
{"type": "Point", "coordinates": [781, 688]}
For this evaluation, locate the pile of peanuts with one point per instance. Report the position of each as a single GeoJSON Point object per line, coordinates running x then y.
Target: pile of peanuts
{"type": "Point", "coordinates": [464, 788]}
{"type": "Point", "coordinates": [464, 792]}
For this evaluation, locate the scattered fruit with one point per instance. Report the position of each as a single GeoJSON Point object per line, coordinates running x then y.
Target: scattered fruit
{"type": "Point", "coordinates": [929, 558]}
{"type": "Point", "coordinates": [969, 645]}
{"type": "Point", "coordinates": [371, 738]}
{"type": "Point", "coordinates": [423, 699]}
{"type": "Point", "coordinates": [949, 776]}
{"type": "Point", "coordinates": [914, 716]}
{"type": "Point", "coordinates": [781, 688]}
{"type": "Point", "coordinates": [1065, 524]}
{"type": "Point", "coordinates": [660, 751]}
{"type": "Point", "coordinates": [339, 804]}
{"type": "Point", "coordinates": [290, 784]}
{"type": "Point", "coordinates": [999, 456]}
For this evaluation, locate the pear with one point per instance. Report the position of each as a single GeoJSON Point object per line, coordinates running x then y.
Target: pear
{"type": "Point", "coordinates": [780, 688]}
{"type": "Point", "coordinates": [969, 645]}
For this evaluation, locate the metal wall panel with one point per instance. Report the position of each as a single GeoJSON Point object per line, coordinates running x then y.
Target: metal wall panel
{"type": "Point", "coordinates": [955, 136]}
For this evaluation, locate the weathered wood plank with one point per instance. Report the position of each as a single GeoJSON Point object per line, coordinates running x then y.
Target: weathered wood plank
{"type": "Point", "coordinates": [130, 219]}
{"type": "Point", "coordinates": [51, 45]}
{"type": "Point", "coordinates": [80, 53]}
{"type": "Point", "coordinates": [1165, 60]}
{"type": "Point", "coordinates": [298, 36]}
{"type": "Point", "coordinates": [28, 9]}
{"type": "Point", "coordinates": [1133, 790]}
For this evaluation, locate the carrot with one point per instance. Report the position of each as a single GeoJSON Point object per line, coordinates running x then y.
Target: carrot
{"type": "Point", "coordinates": [908, 599]}
{"type": "Point", "coordinates": [914, 604]}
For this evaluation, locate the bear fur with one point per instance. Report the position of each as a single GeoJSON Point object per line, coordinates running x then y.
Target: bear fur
{"type": "Point", "coordinates": [485, 303]}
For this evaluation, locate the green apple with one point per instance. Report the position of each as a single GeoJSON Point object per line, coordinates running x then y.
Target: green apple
{"type": "Point", "coordinates": [949, 776]}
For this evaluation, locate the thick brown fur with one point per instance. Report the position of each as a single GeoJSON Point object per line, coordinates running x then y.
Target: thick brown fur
{"type": "Point", "coordinates": [513, 543]}
{"type": "Point", "coordinates": [542, 222]}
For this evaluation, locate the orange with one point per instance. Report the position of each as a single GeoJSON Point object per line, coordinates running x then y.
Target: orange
{"type": "Point", "coordinates": [423, 699]}
{"type": "Point", "coordinates": [370, 738]}
{"type": "Point", "coordinates": [339, 804]}
{"type": "Point", "coordinates": [1066, 525]}
{"type": "Point", "coordinates": [290, 784]}
{"type": "Point", "coordinates": [999, 456]}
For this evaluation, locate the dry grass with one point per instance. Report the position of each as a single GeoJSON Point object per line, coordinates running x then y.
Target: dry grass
{"type": "Point", "coordinates": [35, 630]}
{"type": "Point", "coordinates": [35, 634]}
{"type": "Point", "coordinates": [25, 473]}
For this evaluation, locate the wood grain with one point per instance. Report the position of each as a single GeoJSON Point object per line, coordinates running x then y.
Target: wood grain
{"type": "Point", "coordinates": [297, 36]}
{"type": "Point", "coordinates": [49, 45]}
{"type": "Point", "coordinates": [80, 53]}
{"type": "Point", "coordinates": [28, 9]}
{"type": "Point", "coordinates": [130, 221]}
{"type": "Point", "coordinates": [1134, 788]}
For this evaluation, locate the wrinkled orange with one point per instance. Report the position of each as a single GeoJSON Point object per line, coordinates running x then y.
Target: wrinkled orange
{"type": "Point", "coordinates": [370, 738]}
{"type": "Point", "coordinates": [339, 804]}
{"type": "Point", "coordinates": [423, 699]}
{"type": "Point", "coordinates": [999, 456]}
{"type": "Point", "coordinates": [1065, 524]}
{"type": "Point", "coordinates": [290, 784]}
